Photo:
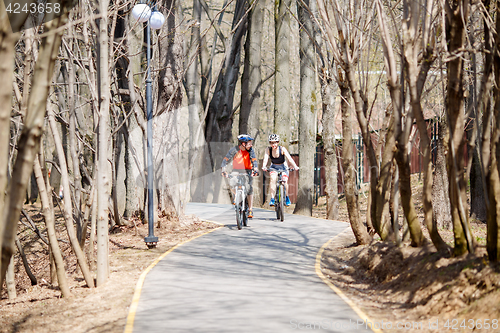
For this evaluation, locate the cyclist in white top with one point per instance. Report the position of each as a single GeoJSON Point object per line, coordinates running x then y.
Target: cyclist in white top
{"type": "Point", "coordinates": [277, 155]}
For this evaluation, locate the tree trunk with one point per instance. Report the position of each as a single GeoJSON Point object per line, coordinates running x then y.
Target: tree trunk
{"type": "Point", "coordinates": [195, 191]}
{"type": "Point", "coordinates": [26, 265]}
{"type": "Point", "coordinates": [417, 75]}
{"type": "Point", "coordinates": [457, 14]}
{"type": "Point", "coordinates": [440, 188]}
{"type": "Point", "coordinates": [48, 214]}
{"type": "Point", "coordinates": [282, 84]}
{"type": "Point", "coordinates": [29, 140]}
{"type": "Point", "coordinates": [169, 101]}
{"type": "Point", "coordinates": [492, 138]}
{"type": "Point", "coordinates": [10, 280]}
{"type": "Point", "coordinates": [103, 143]}
{"type": "Point", "coordinates": [251, 79]}
{"type": "Point", "coordinates": [73, 144]}
{"type": "Point", "coordinates": [417, 237]}
{"type": "Point", "coordinates": [251, 82]}
{"type": "Point", "coordinates": [68, 218]}
{"type": "Point", "coordinates": [350, 189]}
{"type": "Point", "coordinates": [134, 193]}
{"type": "Point", "coordinates": [307, 113]}
{"type": "Point", "coordinates": [478, 210]}
{"type": "Point", "coordinates": [7, 51]}
{"type": "Point", "coordinates": [220, 110]}
{"type": "Point", "coordinates": [328, 88]}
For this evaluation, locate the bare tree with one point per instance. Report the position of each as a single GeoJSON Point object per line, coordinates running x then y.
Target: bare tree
{"type": "Point", "coordinates": [48, 213]}
{"type": "Point", "coordinates": [350, 189]}
{"type": "Point", "coordinates": [328, 89]}
{"type": "Point", "coordinates": [282, 68]}
{"type": "Point", "coordinates": [456, 18]}
{"type": "Point", "coordinates": [251, 79]}
{"type": "Point", "coordinates": [103, 143]}
{"type": "Point", "coordinates": [68, 209]}
{"type": "Point", "coordinates": [419, 56]}
{"type": "Point", "coordinates": [220, 110]}
{"type": "Point", "coordinates": [29, 140]}
{"type": "Point", "coordinates": [491, 133]}
{"type": "Point", "coordinates": [307, 111]}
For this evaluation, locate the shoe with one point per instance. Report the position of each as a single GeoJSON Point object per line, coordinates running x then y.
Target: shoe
{"type": "Point", "coordinates": [287, 201]}
{"type": "Point", "coordinates": [250, 214]}
{"type": "Point", "coordinates": [271, 203]}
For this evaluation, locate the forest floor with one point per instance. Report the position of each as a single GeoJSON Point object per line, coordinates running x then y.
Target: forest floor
{"type": "Point", "coordinates": [394, 286]}
{"type": "Point", "coordinates": [407, 289]}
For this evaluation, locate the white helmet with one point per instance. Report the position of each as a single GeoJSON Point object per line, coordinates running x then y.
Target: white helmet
{"type": "Point", "coordinates": [274, 137]}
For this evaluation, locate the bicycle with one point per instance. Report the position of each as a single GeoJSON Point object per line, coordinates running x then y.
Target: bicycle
{"type": "Point", "coordinates": [279, 203]}
{"type": "Point", "coordinates": [240, 199]}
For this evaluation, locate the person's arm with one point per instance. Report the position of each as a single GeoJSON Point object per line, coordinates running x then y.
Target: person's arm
{"type": "Point", "coordinates": [289, 158]}
{"type": "Point", "coordinates": [229, 156]}
{"type": "Point", "coordinates": [253, 159]}
{"type": "Point", "coordinates": [264, 162]}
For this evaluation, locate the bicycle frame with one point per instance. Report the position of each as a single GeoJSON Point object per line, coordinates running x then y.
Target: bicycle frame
{"type": "Point", "coordinates": [240, 200]}
{"type": "Point", "coordinates": [279, 206]}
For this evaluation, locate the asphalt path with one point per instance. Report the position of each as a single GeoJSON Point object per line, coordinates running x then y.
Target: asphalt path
{"type": "Point", "coordinates": [258, 279]}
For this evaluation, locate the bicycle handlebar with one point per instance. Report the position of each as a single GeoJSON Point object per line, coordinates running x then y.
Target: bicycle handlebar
{"type": "Point", "coordinates": [290, 169]}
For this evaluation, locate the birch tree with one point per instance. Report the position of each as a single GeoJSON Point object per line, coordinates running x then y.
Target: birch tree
{"type": "Point", "coordinates": [103, 167]}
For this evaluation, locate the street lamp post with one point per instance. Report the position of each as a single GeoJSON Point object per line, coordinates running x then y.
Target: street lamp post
{"type": "Point", "coordinates": [143, 13]}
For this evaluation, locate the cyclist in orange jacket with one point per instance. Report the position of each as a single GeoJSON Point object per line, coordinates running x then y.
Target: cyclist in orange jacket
{"type": "Point", "coordinates": [243, 157]}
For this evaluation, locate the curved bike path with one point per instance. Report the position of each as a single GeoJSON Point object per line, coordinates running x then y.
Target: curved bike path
{"type": "Point", "coordinates": [259, 279]}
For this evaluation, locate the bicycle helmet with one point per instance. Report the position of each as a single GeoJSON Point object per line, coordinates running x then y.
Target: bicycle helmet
{"type": "Point", "coordinates": [274, 137]}
{"type": "Point", "coordinates": [244, 138]}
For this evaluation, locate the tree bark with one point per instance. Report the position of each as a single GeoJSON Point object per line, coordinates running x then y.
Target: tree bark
{"type": "Point", "coordinates": [456, 17]}
{"type": "Point", "coordinates": [169, 102]}
{"type": "Point", "coordinates": [417, 75]}
{"type": "Point", "coordinates": [251, 82]}
{"type": "Point", "coordinates": [195, 108]}
{"type": "Point", "coordinates": [10, 280]}
{"type": "Point", "coordinates": [73, 143]}
{"type": "Point", "coordinates": [491, 139]}
{"type": "Point", "coordinates": [251, 79]}
{"type": "Point", "coordinates": [29, 140]}
{"type": "Point", "coordinates": [48, 214]}
{"type": "Point", "coordinates": [328, 88]}
{"type": "Point", "coordinates": [7, 51]}
{"type": "Point", "coordinates": [25, 263]}
{"type": "Point", "coordinates": [282, 98]}
{"type": "Point", "coordinates": [220, 110]}
{"type": "Point", "coordinates": [307, 112]}
{"type": "Point", "coordinates": [350, 189]}
{"type": "Point", "coordinates": [440, 188]}
{"type": "Point", "coordinates": [103, 143]}
{"type": "Point", "coordinates": [68, 218]}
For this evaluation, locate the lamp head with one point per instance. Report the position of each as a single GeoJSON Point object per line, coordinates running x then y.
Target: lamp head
{"type": "Point", "coordinates": [141, 12]}
{"type": "Point", "coordinates": [156, 20]}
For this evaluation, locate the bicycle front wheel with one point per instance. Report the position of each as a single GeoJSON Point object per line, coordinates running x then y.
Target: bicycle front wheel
{"type": "Point", "coordinates": [244, 211]}
{"type": "Point", "coordinates": [282, 203]}
{"type": "Point", "coordinates": [239, 219]}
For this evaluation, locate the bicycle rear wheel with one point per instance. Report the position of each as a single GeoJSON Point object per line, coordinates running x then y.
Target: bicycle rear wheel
{"type": "Point", "coordinates": [239, 220]}
{"type": "Point", "coordinates": [282, 203]}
